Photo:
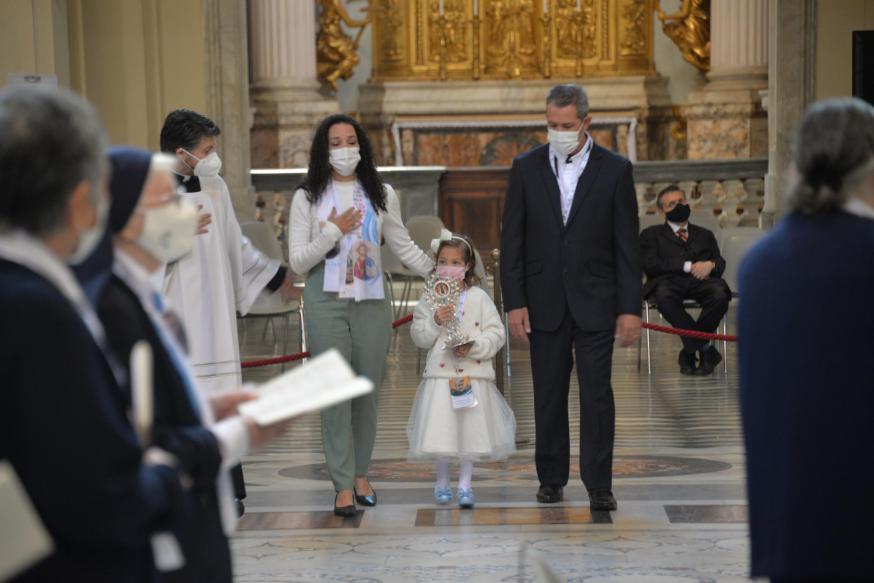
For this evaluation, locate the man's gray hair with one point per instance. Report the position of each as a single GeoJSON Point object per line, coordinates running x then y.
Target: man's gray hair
{"type": "Point", "coordinates": [834, 154]}
{"type": "Point", "coordinates": [569, 94]}
{"type": "Point", "coordinates": [50, 141]}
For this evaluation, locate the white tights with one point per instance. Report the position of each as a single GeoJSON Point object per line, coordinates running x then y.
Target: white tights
{"type": "Point", "coordinates": [465, 474]}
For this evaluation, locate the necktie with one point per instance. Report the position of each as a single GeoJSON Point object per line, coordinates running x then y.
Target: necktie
{"type": "Point", "coordinates": [683, 235]}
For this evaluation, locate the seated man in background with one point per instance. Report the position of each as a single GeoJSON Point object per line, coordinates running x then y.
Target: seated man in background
{"type": "Point", "coordinates": [682, 262]}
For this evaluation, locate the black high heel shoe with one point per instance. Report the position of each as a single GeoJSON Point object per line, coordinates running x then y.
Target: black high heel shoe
{"type": "Point", "coordinates": [365, 500]}
{"type": "Point", "coordinates": [344, 511]}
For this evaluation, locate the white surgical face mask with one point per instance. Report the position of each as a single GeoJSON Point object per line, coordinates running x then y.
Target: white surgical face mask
{"type": "Point", "coordinates": [169, 230]}
{"type": "Point", "coordinates": [89, 239]}
{"type": "Point", "coordinates": [345, 160]}
{"type": "Point", "coordinates": [563, 142]}
{"type": "Point", "coordinates": [211, 165]}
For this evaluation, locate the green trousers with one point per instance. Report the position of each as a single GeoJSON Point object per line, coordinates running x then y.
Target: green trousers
{"type": "Point", "coordinates": [361, 331]}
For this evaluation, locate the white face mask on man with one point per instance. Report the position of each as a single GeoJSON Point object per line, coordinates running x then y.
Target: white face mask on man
{"type": "Point", "coordinates": [563, 142]}
{"type": "Point", "coordinates": [345, 160]}
{"type": "Point", "coordinates": [210, 165]}
{"type": "Point", "coordinates": [169, 230]}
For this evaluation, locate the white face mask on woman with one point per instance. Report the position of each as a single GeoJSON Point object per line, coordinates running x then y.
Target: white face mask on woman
{"type": "Point", "coordinates": [169, 230]}
{"type": "Point", "coordinates": [210, 165]}
{"type": "Point", "coordinates": [345, 160]}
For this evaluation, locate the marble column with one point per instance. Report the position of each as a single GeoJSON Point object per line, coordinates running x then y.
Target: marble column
{"type": "Point", "coordinates": [792, 44]}
{"type": "Point", "coordinates": [284, 89]}
{"type": "Point", "coordinates": [725, 117]}
{"type": "Point", "coordinates": [227, 97]}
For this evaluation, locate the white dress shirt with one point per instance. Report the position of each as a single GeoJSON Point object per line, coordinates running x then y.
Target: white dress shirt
{"type": "Point", "coordinates": [568, 173]}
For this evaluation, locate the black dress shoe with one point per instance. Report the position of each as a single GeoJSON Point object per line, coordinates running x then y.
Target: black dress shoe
{"type": "Point", "coordinates": [366, 500]}
{"type": "Point", "coordinates": [710, 359]}
{"type": "Point", "coordinates": [549, 494]}
{"type": "Point", "coordinates": [601, 499]}
{"type": "Point", "coordinates": [344, 511]}
{"type": "Point", "coordinates": [241, 508]}
{"type": "Point", "coordinates": [687, 362]}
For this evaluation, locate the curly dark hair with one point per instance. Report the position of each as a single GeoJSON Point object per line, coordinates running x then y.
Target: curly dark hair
{"type": "Point", "coordinates": [319, 171]}
{"type": "Point", "coordinates": [184, 128]}
{"type": "Point", "coordinates": [458, 242]}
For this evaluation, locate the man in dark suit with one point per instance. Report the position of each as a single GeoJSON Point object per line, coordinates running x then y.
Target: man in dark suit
{"type": "Point", "coordinates": [682, 262]}
{"type": "Point", "coordinates": [806, 338]}
{"type": "Point", "coordinates": [63, 423]}
{"type": "Point", "coordinates": [571, 280]}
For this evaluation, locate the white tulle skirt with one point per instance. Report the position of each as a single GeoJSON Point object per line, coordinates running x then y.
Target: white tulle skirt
{"type": "Point", "coordinates": [484, 432]}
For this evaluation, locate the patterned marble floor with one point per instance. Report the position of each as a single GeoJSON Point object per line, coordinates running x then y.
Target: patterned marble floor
{"type": "Point", "coordinates": [678, 478]}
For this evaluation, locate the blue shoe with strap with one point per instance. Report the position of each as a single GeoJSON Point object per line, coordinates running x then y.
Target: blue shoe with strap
{"type": "Point", "coordinates": [465, 498]}
{"type": "Point", "coordinates": [443, 495]}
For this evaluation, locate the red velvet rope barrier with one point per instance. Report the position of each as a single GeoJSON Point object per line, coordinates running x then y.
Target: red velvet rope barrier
{"type": "Point", "coordinates": [409, 318]}
{"type": "Point", "coordinates": [690, 333]}
{"type": "Point", "coordinates": [301, 355]}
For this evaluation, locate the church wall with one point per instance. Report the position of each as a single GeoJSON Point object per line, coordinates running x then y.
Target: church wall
{"type": "Point", "coordinates": [137, 60]}
{"type": "Point", "coordinates": [134, 60]}
{"type": "Point", "coordinates": [33, 38]}
{"type": "Point", "coordinates": [835, 22]}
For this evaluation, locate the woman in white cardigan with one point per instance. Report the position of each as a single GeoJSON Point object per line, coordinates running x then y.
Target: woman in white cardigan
{"type": "Point", "coordinates": [339, 219]}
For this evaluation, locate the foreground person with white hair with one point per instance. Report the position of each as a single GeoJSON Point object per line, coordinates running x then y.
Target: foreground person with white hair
{"type": "Point", "coordinates": [63, 424]}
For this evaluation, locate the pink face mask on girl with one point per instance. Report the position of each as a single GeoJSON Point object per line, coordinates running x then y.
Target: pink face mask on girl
{"type": "Point", "coordinates": [455, 272]}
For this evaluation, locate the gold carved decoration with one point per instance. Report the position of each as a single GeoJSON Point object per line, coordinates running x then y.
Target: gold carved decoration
{"type": "Point", "coordinates": [678, 126]}
{"type": "Point", "coordinates": [391, 15]}
{"type": "Point", "coordinates": [633, 21]}
{"type": "Point", "coordinates": [453, 30]}
{"type": "Point", "coordinates": [576, 29]}
{"type": "Point", "coordinates": [689, 28]}
{"type": "Point", "coordinates": [518, 39]}
{"type": "Point", "coordinates": [511, 40]}
{"type": "Point", "coordinates": [337, 52]}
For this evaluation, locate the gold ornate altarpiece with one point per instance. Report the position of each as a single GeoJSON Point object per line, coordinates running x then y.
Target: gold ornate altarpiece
{"type": "Point", "coordinates": [511, 39]}
{"type": "Point", "coordinates": [463, 82]}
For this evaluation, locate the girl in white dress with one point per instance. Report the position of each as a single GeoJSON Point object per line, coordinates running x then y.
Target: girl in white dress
{"type": "Point", "coordinates": [458, 412]}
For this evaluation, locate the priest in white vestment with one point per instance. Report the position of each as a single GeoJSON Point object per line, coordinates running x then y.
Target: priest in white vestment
{"type": "Point", "coordinates": [224, 273]}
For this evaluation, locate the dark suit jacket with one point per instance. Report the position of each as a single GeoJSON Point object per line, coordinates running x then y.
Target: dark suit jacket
{"type": "Point", "coordinates": [806, 330]}
{"type": "Point", "coordinates": [64, 427]}
{"type": "Point", "coordinates": [177, 429]}
{"type": "Point", "coordinates": [591, 265]}
{"type": "Point", "coordinates": [664, 253]}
